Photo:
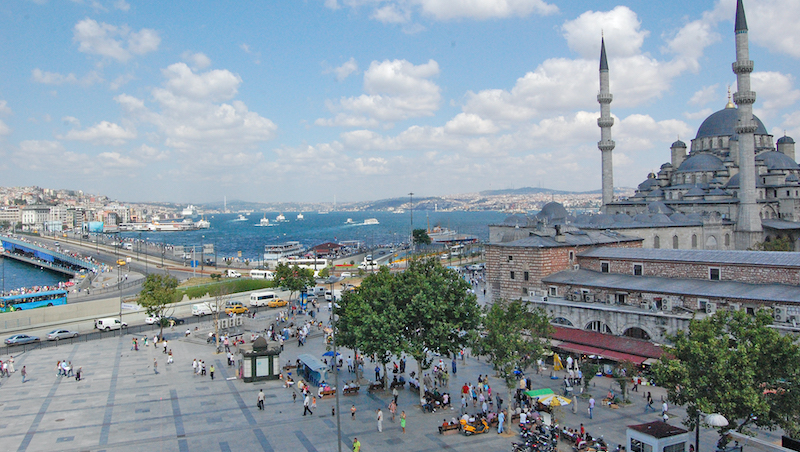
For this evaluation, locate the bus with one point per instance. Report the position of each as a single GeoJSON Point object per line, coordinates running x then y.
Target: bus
{"type": "Point", "coordinates": [262, 274]}
{"type": "Point", "coordinates": [33, 300]}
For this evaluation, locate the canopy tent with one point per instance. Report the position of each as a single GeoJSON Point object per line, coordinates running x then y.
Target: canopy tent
{"type": "Point", "coordinates": [554, 400]}
{"type": "Point", "coordinates": [539, 392]}
{"type": "Point", "coordinates": [314, 370]}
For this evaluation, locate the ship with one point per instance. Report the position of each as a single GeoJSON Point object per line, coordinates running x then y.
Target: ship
{"type": "Point", "coordinates": [444, 235]}
{"type": "Point", "coordinates": [241, 218]}
{"type": "Point", "coordinates": [202, 224]}
{"type": "Point", "coordinates": [282, 250]}
{"type": "Point", "coordinates": [280, 218]}
{"type": "Point", "coordinates": [171, 226]}
{"type": "Point", "coordinates": [370, 221]}
{"type": "Point", "coordinates": [189, 211]}
{"type": "Point", "coordinates": [349, 221]}
{"type": "Point", "coordinates": [300, 216]}
{"type": "Point", "coordinates": [264, 222]}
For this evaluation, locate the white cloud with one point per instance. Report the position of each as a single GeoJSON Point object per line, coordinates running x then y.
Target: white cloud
{"type": "Point", "coordinates": [198, 60]}
{"type": "Point", "coordinates": [122, 5]}
{"type": "Point", "coordinates": [620, 27]}
{"type": "Point", "coordinates": [103, 132]}
{"type": "Point", "coordinates": [115, 160]}
{"type": "Point", "coordinates": [346, 69]}
{"type": "Point", "coordinates": [214, 86]}
{"type": "Point", "coordinates": [54, 78]}
{"type": "Point", "coordinates": [705, 95]}
{"type": "Point", "coordinates": [121, 81]}
{"type": "Point", "coordinates": [71, 121]}
{"type": "Point", "coordinates": [391, 14]}
{"type": "Point", "coordinates": [470, 124]}
{"type": "Point", "coordinates": [39, 155]}
{"type": "Point", "coordinates": [4, 108]}
{"type": "Point", "coordinates": [395, 90]}
{"type": "Point", "coordinates": [774, 92]}
{"type": "Point", "coordinates": [149, 154]}
{"type": "Point", "coordinates": [4, 129]}
{"type": "Point", "coordinates": [772, 24]}
{"type": "Point", "coordinates": [690, 42]}
{"type": "Point", "coordinates": [402, 11]}
{"type": "Point", "coordinates": [113, 42]}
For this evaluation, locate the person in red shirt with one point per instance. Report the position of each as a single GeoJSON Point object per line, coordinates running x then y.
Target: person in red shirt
{"type": "Point", "coordinates": [465, 389]}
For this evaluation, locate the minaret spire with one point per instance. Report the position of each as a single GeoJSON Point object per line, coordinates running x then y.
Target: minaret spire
{"type": "Point", "coordinates": [748, 224]}
{"type": "Point", "coordinates": [605, 121]}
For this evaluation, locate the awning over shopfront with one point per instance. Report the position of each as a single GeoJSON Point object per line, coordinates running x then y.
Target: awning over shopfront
{"type": "Point", "coordinates": [616, 348]}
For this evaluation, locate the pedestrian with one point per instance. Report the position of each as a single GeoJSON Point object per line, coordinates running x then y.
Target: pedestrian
{"type": "Point", "coordinates": [649, 402]}
{"type": "Point", "coordinates": [403, 421]}
{"type": "Point", "coordinates": [500, 421]}
{"type": "Point", "coordinates": [395, 394]}
{"type": "Point", "coordinates": [78, 374]}
{"type": "Point", "coordinates": [353, 412]}
{"type": "Point", "coordinates": [591, 407]}
{"type": "Point", "coordinates": [11, 364]}
{"type": "Point", "coordinates": [261, 399]}
{"type": "Point", "coordinates": [664, 409]}
{"type": "Point", "coordinates": [356, 445]}
{"type": "Point", "coordinates": [392, 409]}
{"type": "Point", "coordinates": [454, 366]}
{"type": "Point", "coordinates": [306, 403]}
{"type": "Point", "coordinates": [24, 373]}
{"type": "Point", "coordinates": [211, 371]}
{"type": "Point", "coordinates": [583, 431]}
{"type": "Point", "coordinates": [380, 420]}
{"type": "Point", "coordinates": [58, 368]}
{"type": "Point", "coordinates": [294, 396]}
{"type": "Point", "coordinates": [314, 402]}
{"type": "Point", "coordinates": [377, 373]}
{"type": "Point", "coordinates": [169, 358]}
{"type": "Point", "coordinates": [155, 366]}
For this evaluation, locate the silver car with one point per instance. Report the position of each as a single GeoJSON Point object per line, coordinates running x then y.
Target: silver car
{"type": "Point", "coordinates": [60, 334]}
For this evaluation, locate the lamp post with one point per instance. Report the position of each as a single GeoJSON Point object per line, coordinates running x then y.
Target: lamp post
{"type": "Point", "coordinates": [333, 280]}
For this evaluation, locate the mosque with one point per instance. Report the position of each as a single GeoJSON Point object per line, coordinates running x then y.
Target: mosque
{"type": "Point", "coordinates": [732, 190]}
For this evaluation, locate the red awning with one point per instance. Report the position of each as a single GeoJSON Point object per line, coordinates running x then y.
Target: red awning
{"type": "Point", "coordinates": [578, 348]}
{"type": "Point", "coordinates": [618, 356]}
{"type": "Point", "coordinates": [617, 348]}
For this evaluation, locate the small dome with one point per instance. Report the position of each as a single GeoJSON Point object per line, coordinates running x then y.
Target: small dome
{"type": "Point", "coordinates": [660, 218]}
{"type": "Point", "coordinates": [657, 193]}
{"type": "Point", "coordinates": [623, 218]}
{"type": "Point", "coordinates": [785, 140]}
{"type": "Point", "coordinates": [678, 144]}
{"type": "Point", "coordinates": [642, 218]}
{"type": "Point", "coordinates": [260, 343]}
{"type": "Point", "coordinates": [516, 219]}
{"type": "Point", "coordinates": [666, 165]}
{"type": "Point", "coordinates": [677, 217]}
{"type": "Point", "coordinates": [775, 160]}
{"type": "Point", "coordinates": [552, 211]}
{"type": "Point", "coordinates": [648, 184]}
{"type": "Point", "coordinates": [701, 162]}
{"type": "Point", "coordinates": [723, 123]}
{"type": "Point", "coordinates": [696, 191]}
{"type": "Point", "coordinates": [659, 207]}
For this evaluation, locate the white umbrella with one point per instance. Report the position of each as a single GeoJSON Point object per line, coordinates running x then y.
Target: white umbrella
{"type": "Point", "coordinates": [716, 420]}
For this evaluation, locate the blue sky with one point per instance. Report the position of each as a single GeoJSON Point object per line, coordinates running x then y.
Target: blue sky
{"type": "Point", "coordinates": [190, 101]}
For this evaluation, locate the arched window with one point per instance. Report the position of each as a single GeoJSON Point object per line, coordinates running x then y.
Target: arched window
{"type": "Point", "coordinates": [694, 241]}
{"type": "Point", "coordinates": [656, 242]}
{"type": "Point", "coordinates": [727, 240]}
{"type": "Point", "coordinates": [675, 242]}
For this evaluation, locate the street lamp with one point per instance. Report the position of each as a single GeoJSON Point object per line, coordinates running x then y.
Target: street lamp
{"type": "Point", "coordinates": [333, 280]}
{"type": "Point", "coordinates": [712, 420]}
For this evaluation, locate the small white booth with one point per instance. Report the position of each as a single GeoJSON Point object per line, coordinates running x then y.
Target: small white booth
{"type": "Point", "coordinates": [658, 436]}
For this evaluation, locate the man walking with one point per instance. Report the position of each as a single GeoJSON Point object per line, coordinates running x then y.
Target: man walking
{"type": "Point", "coordinates": [380, 420]}
{"type": "Point", "coordinates": [24, 373]}
{"type": "Point", "coordinates": [306, 403]}
{"type": "Point", "coordinates": [591, 407]}
{"type": "Point", "coordinates": [155, 366]}
{"type": "Point", "coordinates": [211, 370]}
{"type": "Point", "coordinates": [356, 445]}
{"type": "Point", "coordinates": [261, 399]}
{"type": "Point", "coordinates": [500, 421]}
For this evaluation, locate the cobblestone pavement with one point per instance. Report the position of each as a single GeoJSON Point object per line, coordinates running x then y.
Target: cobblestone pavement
{"type": "Point", "coordinates": [122, 404]}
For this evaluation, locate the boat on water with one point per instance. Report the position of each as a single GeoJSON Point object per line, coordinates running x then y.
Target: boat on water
{"type": "Point", "coordinates": [280, 218]}
{"type": "Point", "coordinates": [282, 250]}
{"type": "Point", "coordinates": [202, 224]}
{"type": "Point", "coordinates": [349, 221]}
{"type": "Point", "coordinates": [300, 216]}
{"type": "Point", "coordinates": [370, 221]}
{"type": "Point", "coordinates": [399, 211]}
{"type": "Point", "coordinates": [241, 218]}
{"type": "Point", "coordinates": [171, 226]}
{"type": "Point", "coordinates": [264, 222]}
{"type": "Point", "coordinates": [189, 211]}
{"type": "Point", "coordinates": [440, 234]}
{"type": "Point", "coordinates": [322, 212]}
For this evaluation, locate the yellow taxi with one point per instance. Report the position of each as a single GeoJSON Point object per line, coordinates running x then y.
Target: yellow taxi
{"type": "Point", "coordinates": [235, 308]}
{"type": "Point", "coordinates": [277, 303]}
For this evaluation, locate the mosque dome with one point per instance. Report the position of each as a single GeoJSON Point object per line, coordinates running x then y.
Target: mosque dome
{"type": "Point", "coordinates": [701, 162]}
{"type": "Point", "coordinates": [694, 192]}
{"type": "Point", "coordinates": [678, 144]}
{"type": "Point", "coordinates": [648, 184]}
{"type": "Point", "coordinates": [552, 211]}
{"type": "Point", "coordinates": [659, 207]}
{"type": "Point", "coordinates": [775, 160]}
{"type": "Point", "coordinates": [516, 219]}
{"type": "Point", "coordinates": [785, 139]}
{"type": "Point", "coordinates": [723, 123]}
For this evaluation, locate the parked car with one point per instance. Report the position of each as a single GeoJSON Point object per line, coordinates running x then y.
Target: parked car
{"type": "Point", "coordinates": [19, 339]}
{"type": "Point", "coordinates": [152, 320]}
{"type": "Point", "coordinates": [60, 334]}
{"type": "Point", "coordinates": [277, 303]}
{"type": "Point", "coordinates": [235, 307]}
{"type": "Point", "coordinates": [166, 321]}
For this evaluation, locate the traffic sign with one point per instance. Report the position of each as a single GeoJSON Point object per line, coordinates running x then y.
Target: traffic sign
{"type": "Point", "coordinates": [194, 263]}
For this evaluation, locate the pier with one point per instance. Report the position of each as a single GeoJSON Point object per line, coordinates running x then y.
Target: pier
{"type": "Point", "coordinates": [44, 257]}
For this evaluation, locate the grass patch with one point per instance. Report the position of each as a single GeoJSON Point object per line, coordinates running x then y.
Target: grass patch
{"type": "Point", "coordinates": [200, 287]}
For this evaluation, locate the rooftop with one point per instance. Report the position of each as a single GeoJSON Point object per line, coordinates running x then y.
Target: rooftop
{"type": "Point", "coordinates": [765, 258]}
{"type": "Point", "coordinates": [658, 429]}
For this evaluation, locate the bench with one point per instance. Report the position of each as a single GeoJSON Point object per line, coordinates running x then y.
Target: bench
{"type": "Point", "coordinates": [351, 391]}
{"type": "Point", "coordinates": [376, 387]}
{"type": "Point", "coordinates": [413, 386]}
{"type": "Point", "coordinates": [289, 367]}
{"type": "Point", "coordinates": [397, 384]}
{"type": "Point", "coordinates": [449, 428]}
{"type": "Point", "coordinates": [328, 393]}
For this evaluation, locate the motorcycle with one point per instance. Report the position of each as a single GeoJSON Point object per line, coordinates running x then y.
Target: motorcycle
{"type": "Point", "coordinates": [470, 429]}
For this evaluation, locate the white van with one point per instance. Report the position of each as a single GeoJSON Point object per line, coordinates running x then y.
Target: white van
{"type": "Point", "coordinates": [337, 293]}
{"type": "Point", "coordinates": [128, 246]}
{"type": "Point", "coordinates": [232, 274]}
{"type": "Point", "coordinates": [202, 309]}
{"type": "Point", "coordinates": [109, 324]}
{"type": "Point", "coordinates": [261, 298]}
{"type": "Point", "coordinates": [317, 291]}
{"type": "Point", "coordinates": [262, 274]}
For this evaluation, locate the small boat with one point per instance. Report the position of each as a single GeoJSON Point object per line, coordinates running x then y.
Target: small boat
{"type": "Point", "coordinates": [349, 221]}
{"type": "Point", "coordinates": [280, 218]}
{"type": "Point", "coordinates": [241, 218]}
{"type": "Point", "coordinates": [370, 221]}
{"type": "Point", "coordinates": [300, 216]}
{"type": "Point", "coordinates": [263, 222]}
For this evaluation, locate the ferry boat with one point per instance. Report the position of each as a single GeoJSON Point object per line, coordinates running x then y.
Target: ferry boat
{"type": "Point", "coordinates": [349, 221]}
{"type": "Point", "coordinates": [264, 222]}
{"type": "Point", "coordinates": [370, 221]}
{"type": "Point", "coordinates": [171, 226]}
{"type": "Point", "coordinates": [189, 211]}
{"type": "Point", "coordinates": [241, 218]}
{"type": "Point", "coordinates": [300, 216]}
{"type": "Point", "coordinates": [282, 250]}
{"type": "Point", "coordinates": [202, 224]}
{"type": "Point", "coordinates": [280, 218]}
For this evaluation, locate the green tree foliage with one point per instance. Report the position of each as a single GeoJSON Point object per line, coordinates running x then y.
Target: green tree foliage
{"type": "Point", "coordinates": [158, 292]}
{"type": "Point", "coordinates": [512, 337]}
{"type": "Point", "coordinates": [294, 278]}
{"type": "Point", "coordinates": [589, 370]}
{"type": "Point", "coordinates": [779, 244]}
{"type": "Point", "coordinates": [421, 237]}
{"type": "Point", "coordinates": [623, 374]}
{"type": "Point", "coordinates": [325, 272]}
{"type": "Point", "coordinates": [734, 364]}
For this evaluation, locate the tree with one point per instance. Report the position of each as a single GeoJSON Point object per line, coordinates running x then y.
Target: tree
{"type": "Point", "coordinates": [512, 337]}
{"type": "Point", "coordinates": [421, 236]}
{"type": "Point", "coordinates": [589, 370]}
{"type": "Point", "coordinates": [158, 292]}
{"type": "Point", "coordinates": [368, 320]}
{"type": "Point", "coordinates": [221, 296]}
{"type": "Point", "coordinates": [735, 364]}
{"type": "Point", "coordinates": [436, 310]}
{"type": "Point", "coordinates": [623, 373]}
{"type": "Point", "coordinates": [778, 244]}
{"type": "Point", "coordinates": [294, 278]}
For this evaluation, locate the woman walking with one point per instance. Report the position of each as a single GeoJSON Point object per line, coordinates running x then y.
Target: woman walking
{"type": "Point", "coordinates": [403, 421]}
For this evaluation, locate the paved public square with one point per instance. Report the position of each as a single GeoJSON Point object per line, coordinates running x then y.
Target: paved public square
{"type": "Point", "coordinates": [122, 404]}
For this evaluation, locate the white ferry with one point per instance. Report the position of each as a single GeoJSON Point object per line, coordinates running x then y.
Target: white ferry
{"type": "Point", "coordinates": [370, 221]}
{"type": "Point", "coordinates": [300, 216]}
{"type": "Point", "coordinates": [189, 211]}
{"type": "Point", "coordinates": [241, 218]}
{"type": "Point", "coordinates": [185, 225]}
{"type": "Point", "coordinates": [202, 224]}
{"type": "Point", "coordinates": [287, 249]}
{"type": "Point", "coordinates": [349, 221]}
{"type": "Point", "coordinates": [280, 218]}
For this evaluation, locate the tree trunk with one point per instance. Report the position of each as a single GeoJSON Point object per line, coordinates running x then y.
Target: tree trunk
{"type": "Point", "coordinates": [421, 383]}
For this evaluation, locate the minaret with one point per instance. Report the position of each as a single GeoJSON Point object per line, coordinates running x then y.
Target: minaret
{"type": "Point", "coordinates": [605, 121]}
{"type": "Point", "coordinates": [748, 224]}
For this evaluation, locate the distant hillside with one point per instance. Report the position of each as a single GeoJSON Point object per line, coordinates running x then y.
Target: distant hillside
{"type": "Point", "coordinates": [535, 191]}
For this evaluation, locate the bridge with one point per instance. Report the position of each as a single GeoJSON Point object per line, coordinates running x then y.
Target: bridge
{"type": "Point", "coordinates": [43, 257]}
